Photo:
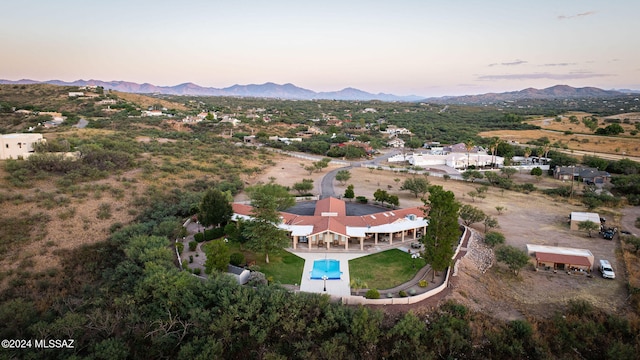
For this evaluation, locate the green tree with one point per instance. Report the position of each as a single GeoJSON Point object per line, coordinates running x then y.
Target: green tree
{"type": "Point", "coordinates": [471, 214]}
{"type": "Point", "coordinates": [443, 231]}
{"type": "Point", "coordinates": [468, 145]}
{"type": "Point", "coordinates": [508, 171]}
{"type": "Point", "coordinates": [418, 186]}
{"type": "Point", "coordinates": [494, 238]}
{"type": "Point", "coordinates": [215, 208]}
{"type": "Point", "coordinates": [472, 175]}
{"type": "Point", "coordinates": [262, 231]}
{"type": "Point", "coordinates": [304, 186]}
{"type": "Point", "coordinates": [536, 171]}
{"type": "Point", "coordinates": [413, 143]}
{"type": "Point", "coordinates": [588, 226]}
{"type": "Point", "coordinates": [349, 193]}
{"type": "Point", "coordinates": [515, 258]}
{"type": "Point", "coordinates": [490, 223]}
{"type": "Point", "coordinates": [381, 196]}
{"type": "Point", "coordinates": [343, 176]}
{"type": "Point", "coordinates": [358, 284]}
{"type": "Point", "coordinates": [218, 256]}
{"type": "Point", "coordinates": [393, 200]}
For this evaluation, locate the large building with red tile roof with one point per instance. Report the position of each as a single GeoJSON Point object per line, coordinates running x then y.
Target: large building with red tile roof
{"type": "Point", "coordinates": [331, 228]}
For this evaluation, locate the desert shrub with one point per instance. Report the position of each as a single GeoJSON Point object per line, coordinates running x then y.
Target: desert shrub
{"type": "Point", "coordinates": [236, 259]}
{"type": "Point", "coordinates": [180, 247]}
{"type": "Point", "coordinates": [193, 245]}
{"type": "Point", "coordinates": [536, 171]}
{"type": "Point", "coordinates": [412, 292]}
{"type": "Point", "coordinates": [214, 233]}
{"type": "Point", "coordinates": [423, 283]}
{"type": "Point", "coordinates": [372, 294]}
{"type": "Point", "coordinates": [361, 199]}
{"type": "Point", "coordinates": [402, 293]}
{"type": "Point", "coordinates": [104, 211]}
{"type": "Point", "coordinates": [197, 271]}
{"type": "Point", "coordinates": [199, 237]}
{"type": "Point", "coordinates": [563, 191]}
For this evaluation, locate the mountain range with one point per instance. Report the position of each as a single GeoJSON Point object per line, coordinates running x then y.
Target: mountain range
{"type": "Point", "coordinates": [292, 92]}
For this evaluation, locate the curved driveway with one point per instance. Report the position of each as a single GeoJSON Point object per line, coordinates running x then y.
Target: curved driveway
{"type": "Point", "coordinates": [326, 185]}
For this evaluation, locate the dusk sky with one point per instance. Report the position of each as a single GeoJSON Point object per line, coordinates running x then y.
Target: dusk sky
{"type": "Point", "coordinates": [404, 47]}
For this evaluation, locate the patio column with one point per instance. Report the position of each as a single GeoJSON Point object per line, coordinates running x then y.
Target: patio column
{"type": "Point", "coordinates": [362, 244]}
{"type": "Point", "coordinates": [346, 243]}
{"type": "Point", "coordinates": [415, 233]}
{"type": "Point", "coordinates": [390, 238]}
{"type": "Point", "coordinates": [403, 235]}
{"type": "Point", "coordinates": [375, 239]}
{"type": "Point", "coordinates": [295, 242]}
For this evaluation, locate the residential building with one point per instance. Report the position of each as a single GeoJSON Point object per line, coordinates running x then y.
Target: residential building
{"type": "Point", "coordinates": [395, 143]}
{"type": "Point", "coordinates": [15, 146]}
{"type": "Point", "coordinates": [331, 228]}
{"type": "Point", "coordinates": [585, 174]}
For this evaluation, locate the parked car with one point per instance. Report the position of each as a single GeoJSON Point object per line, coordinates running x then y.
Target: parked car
{"type": "Point", "coordinates": [606, 270]}
{"type": "Point", "coordinates": [608, 234]}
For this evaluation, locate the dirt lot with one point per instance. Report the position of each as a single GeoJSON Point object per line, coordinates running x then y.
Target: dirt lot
{"type": "Point", "coordinates": [533, 218]}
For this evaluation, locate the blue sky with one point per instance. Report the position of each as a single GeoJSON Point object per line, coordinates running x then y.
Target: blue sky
{"type": "Point", "coordinates": [428, 47]}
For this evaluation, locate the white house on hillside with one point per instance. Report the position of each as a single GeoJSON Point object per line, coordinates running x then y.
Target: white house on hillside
{"type": "Point", "coordinates": [14, 146]}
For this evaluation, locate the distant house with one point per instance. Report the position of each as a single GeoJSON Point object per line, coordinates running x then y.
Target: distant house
{"type": "Point", "coordinates": [394, 130]}
{"type": "Point", "coordinates": [250, 139]}
{"type": "Point", "coordinates": [14, 146]}
{"type": "Point", "coordinates": [395, 143]}
{"type": "Point", "coordinates": [230, 120]}
{"type": "Point", "coordinates": [152, 113]}
{"type": "Point", "coordinates": [585, 174]}
{"type": "Point", "coordinates": [76, 93]}
{"type": "Point", "coordinates": [107, 102]}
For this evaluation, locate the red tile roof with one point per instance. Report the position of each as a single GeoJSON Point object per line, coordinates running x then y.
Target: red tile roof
{"type": "Point", "coordinates": [339, 223]}
{"type": "Point", "coordinates": [563, 259]}
{"type": "Point", "coordinates": [330, 205]}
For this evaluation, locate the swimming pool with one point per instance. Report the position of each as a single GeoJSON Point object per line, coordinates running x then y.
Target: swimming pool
{"type": "Point", "coordinates": [326, 267]}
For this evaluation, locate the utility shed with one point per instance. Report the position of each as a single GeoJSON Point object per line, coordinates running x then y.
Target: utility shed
{"type": "Point", "coordinates": [578, 217]}
{"type": "Point", "coordinates": [561, 258]}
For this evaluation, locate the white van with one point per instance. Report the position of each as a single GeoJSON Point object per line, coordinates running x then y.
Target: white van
{"type": "Point", "coordinates": [606, 270]}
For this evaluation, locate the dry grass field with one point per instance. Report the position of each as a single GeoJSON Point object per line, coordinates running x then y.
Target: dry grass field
{"type": "Point", "coordinates": [582, 139]}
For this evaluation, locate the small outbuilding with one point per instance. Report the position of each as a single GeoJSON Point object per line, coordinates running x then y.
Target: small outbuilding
{"type": "Point", "coordinates": [577, 217]}
{"type": "Point", "coordinates": [561, 258]}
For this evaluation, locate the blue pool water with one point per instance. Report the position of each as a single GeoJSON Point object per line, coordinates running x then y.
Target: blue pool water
{"type": "Point", "coordinates": [328, 267]}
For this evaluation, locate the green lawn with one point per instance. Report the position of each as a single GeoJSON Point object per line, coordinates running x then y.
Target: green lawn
{"type": "Point", "coordinates": [384, 270]}
{"type": "Point", "coordinates": [283, 267]}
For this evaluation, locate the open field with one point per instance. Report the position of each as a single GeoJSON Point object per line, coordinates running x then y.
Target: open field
{"type": "Point", "coordinates": [577, 136]}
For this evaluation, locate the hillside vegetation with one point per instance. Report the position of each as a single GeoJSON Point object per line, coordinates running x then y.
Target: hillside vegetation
{"type": "Point", "coordinates": [87, 237]}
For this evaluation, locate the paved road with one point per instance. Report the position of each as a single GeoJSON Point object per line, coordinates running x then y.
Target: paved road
{"type": "Point", "coordinates": [326, 185]}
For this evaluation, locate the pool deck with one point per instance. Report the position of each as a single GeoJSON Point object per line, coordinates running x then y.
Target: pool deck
{"type": "Point", "coordinates": [334, 287]}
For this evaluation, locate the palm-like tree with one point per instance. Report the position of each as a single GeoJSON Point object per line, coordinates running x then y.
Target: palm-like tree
{"type": "Point", "coordinates": [545, 148]}
{"type": "Point", "coordinates": [527, 153]}
{"type": "Point", "coordinates": [469, 146]}
{"type": "Point", "coordinates": [493, 147]}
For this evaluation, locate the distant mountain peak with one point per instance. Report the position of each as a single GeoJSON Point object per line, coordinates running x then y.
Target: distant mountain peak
{"type": "Point", "coordinates": [553, 92]}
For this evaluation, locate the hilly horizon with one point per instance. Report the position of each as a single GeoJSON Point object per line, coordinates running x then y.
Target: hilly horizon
{"type": "Point", "coordinates": [290, 91]}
